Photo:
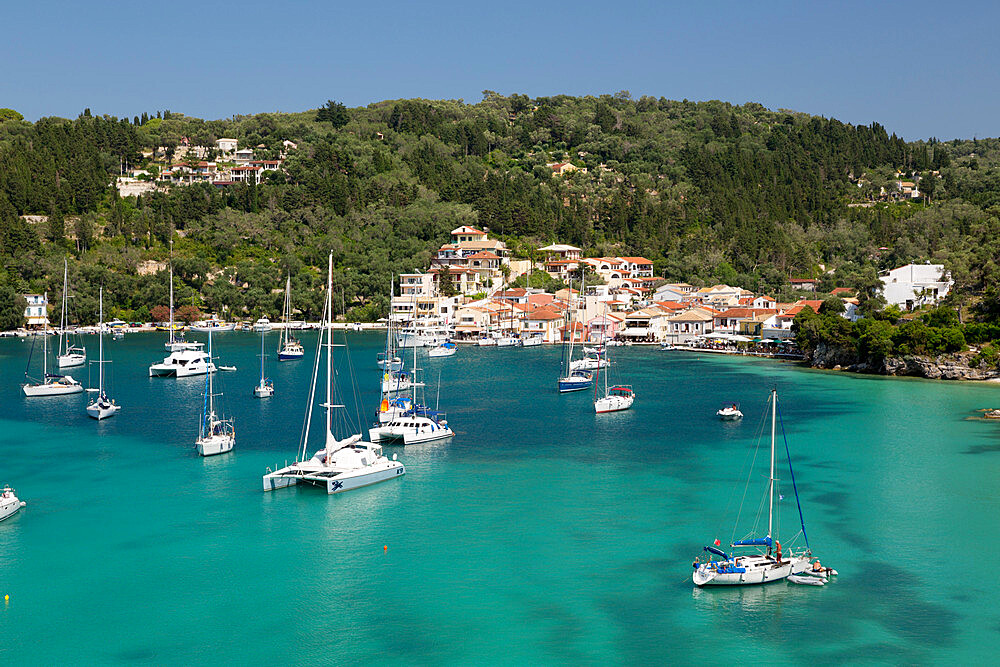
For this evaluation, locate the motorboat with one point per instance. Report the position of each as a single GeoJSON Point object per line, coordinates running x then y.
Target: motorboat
{"type": "Point", "coordinates": [342, 464]}
{"type": "Point", "coordinates": [212, 325]}
{"type": "Point", "coordinates": [262, 324]}
{"type": "Point", "coordinates": [770, 562]}
{"type": "Point", "coordinates": [9, 503]}
{"type": "Point", "coordinates": [289, 347]}
{"type": "Point", "coordinates": [102, 407]}
{"type": "Point", "coordinates": [190, 360]}
{"type": "Point", "coordinates": [68, 355]}
{"type": "Point", "coordinates": [531, 341]}
{"type": "Point", "coordinates": [730, 413]}
{"type": "Point", "coordinates": [216, 434]}
{"type": "Point", "coordinates": [50, 384]}
{"type": "Point", "coordinates": [443, 350]}
{"type": "Point", "coordinates": [486, 341]}
{"type": "Point", "coordinates": [413, 428]}
{"type": "Point", "coordinates": [508, 341]}
{"type": "Point", "coordinates": [427, 332]}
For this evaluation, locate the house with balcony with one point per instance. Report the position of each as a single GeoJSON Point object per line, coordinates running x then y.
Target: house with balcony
{"type": "Point", "coordinates": [545, 321]}
{"type": "Point", "coordinates": [226, 146]}
{"type": "Point", "coordinates": [683, 328]}
{"type": "Point", "coordinates": [463, 281]}
{"type": "Point", "coordinates": [36, 313]}
{"type": "Point", "coordinates": [561, 251]}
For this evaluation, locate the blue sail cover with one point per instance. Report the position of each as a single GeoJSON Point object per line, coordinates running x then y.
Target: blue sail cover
{"type": "Point", "coordinates": [717, 552]}
{"type": "Point", "coordinates": [756, 542]}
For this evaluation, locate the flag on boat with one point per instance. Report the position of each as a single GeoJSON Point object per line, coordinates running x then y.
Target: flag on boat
{"type": "Point", "coordinates": [717, 542]}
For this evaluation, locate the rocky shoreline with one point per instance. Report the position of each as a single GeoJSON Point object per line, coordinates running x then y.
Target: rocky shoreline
{"type": "Point", "coordinates": [944, 367]}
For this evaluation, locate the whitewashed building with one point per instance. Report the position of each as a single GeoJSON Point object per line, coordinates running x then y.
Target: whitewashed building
{"type": "Point", "coordinates": [914, 285]}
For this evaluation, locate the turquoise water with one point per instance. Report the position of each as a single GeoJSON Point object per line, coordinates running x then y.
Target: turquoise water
{"type": "Point", "coordinates": [541, 534]}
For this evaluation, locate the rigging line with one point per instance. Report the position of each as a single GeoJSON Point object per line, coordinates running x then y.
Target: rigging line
{"type": "Point", "coordinates": [795, 487]}
{"type": "Point", "coordinates": [307, 420]}
{"type": "Point", "coordinates": [759, 435]}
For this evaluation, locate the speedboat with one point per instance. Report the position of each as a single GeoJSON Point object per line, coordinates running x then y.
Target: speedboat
{"type": "Point", "coordinates": [531, 341]}
{"type": "Point", "coordinates": [9, 503]}
{"type": "Point", "coordinates": [443, 350]}
{"type": "Point", "coordinates": [730, 413]}
{"type": "Point", "coordinates": [212, 325]}
{"type": "Point", "coordinates": [619, 397]}
{"type": "Point", "coordinates": [263, 324]}
{"type": "Point", "coordinates": [191, 359]}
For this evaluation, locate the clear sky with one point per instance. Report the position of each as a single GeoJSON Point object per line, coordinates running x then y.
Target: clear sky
{"type": "Point", "coordinates": [920, 68]}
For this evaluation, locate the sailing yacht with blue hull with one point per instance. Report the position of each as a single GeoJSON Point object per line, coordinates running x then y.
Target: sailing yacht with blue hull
{"type": "Point", "coordinates": [767, 564]}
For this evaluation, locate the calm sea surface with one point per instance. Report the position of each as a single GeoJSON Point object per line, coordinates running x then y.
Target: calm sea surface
{"type": "Point", "coordinates": [541, 534]}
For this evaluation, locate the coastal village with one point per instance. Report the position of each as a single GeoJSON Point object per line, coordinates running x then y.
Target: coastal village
{"type": "Point", "coordinates": [466, 287]}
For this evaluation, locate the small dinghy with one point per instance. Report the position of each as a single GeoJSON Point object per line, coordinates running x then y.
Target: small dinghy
{"type": "Point", "coordinates": [805, 580]}
{"type": "Point", "coordinates": [227, 368]}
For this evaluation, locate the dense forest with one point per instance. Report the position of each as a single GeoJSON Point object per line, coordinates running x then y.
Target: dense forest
{"type": "Point", "coordinates": [711, 192]}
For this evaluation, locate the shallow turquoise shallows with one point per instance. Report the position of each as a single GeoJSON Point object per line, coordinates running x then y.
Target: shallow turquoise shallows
{"type": "Point", "coordinates": [541, 534]}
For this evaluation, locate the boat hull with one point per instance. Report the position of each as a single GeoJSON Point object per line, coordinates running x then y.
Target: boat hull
{"type": "Point", "coordinates": [759, 571]}
{"type": "Point", "coordinates": [176, 370]}
{"type": "Point", "coordinates": [335, 483]}
{"type": "Point", "coordinates": [215, 444]}
{"type": "Point", "coordinates": [566, 386]}
{"type": "Point", "coordinates": [613, 404]}
{"type": "Point", "coordinates": [71, 360]}
{"type": "Point", "coordinates": [102, 411]}
{"type": "Point", "coordinates": [51, 389]}
{"type": "Point", "coordinates": [9, 506]}
{"type": "Point", "coordinates": [290, 356]}
{"type": "Point", "coordinates": [263, 392]}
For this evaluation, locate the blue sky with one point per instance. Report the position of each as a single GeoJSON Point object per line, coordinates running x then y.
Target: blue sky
{"type": "Point", "coordinates": [921, 69]}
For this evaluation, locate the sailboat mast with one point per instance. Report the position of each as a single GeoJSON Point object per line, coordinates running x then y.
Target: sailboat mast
{"type": "Point", "coordinates": [329, 347]}
{"type": "Point", "coordinates": [262, 358]}
{"type": "Point", "coordinates": [45, 341]}
{"type": "Point", "coordinates": [62, 312]}
{"type": "Point", "coordinates": [100, 334]}
{"type": "Point", "coordinates": [211, 399]}
{"type": "Point", "coordinates": [171, 339]}
{"type": "Point", "coordinates": [770, 493]}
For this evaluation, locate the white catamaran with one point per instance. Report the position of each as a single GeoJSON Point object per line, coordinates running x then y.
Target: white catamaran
{"type": "Point", "coordinates": [102, 407]}
{"type": "Point", "coordinates": [342, 464]}
{"type": "Point", "coordinates": [216, 434]}
{"type": "Point", "coordinates": [68, 355]}
{"type": "Point", "coordinates": [768, 563]}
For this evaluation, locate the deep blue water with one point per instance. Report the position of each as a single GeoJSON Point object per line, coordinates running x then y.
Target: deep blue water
{"type": "Point", "coordinates": [541, 534]}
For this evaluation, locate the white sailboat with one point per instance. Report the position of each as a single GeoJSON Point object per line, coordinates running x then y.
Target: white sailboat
{"type": "Point", "coordinates": [342, 464]}
{"type": "Point", "coordinates": [289, 348]}
{"type": "Point", "coordinates": [616, 398]}
{"type": "Point", "coordinates": [51, 384]}
{"type": "Point", "coordinates": [102, 407]}
{"type": "Point", "coordinates": [68, 355]}
{"type": "Point", "coordinates": [264, 388]}
{"type": "Point", "coordinates": [769, 563]}
{"type": "Point", "coordinates": [216, 434]}
{"type": "Point", "coordinates": [9, 503]}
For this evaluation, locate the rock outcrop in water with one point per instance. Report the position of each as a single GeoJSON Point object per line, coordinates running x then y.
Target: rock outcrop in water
{"type": "Point", "coordinates": [944, 367]}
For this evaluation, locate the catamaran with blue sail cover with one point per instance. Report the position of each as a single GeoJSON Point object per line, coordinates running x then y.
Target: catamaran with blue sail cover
{"type": "Point", "coordinates": [766, 562]}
